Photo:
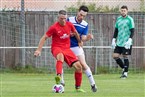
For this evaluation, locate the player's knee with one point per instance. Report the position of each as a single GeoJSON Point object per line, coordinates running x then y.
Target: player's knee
{"type": "Point", "coordinates": [85, 66]}
{"type": "Point", "coordinates": [125, 56]}
{"type": "Point", "coordinates": [115, 56]}
{"type": "Point", "coordinates": [77, 66]}
{"type": "Point", "coordinates": [60, 60]}
{"type": "Point", "coordinates": [60, 57]}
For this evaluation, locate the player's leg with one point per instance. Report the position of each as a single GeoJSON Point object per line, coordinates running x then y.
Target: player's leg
{"type": "Point", "coordinates": [126, 52]}
{"type": "Point", "coordinates": [62, 82]}
{"type": "Point", "coordinates": [88, 72]}
{"type": "Point", "coordinates": [72, 61]}
{"type": "Point", "coordinates": [57, 53]}
{"type": "Point", "coordinates": [78, 51]}
{"type": "Point", "coordinates": [59, 65]}
{"type": "Point", "coordinates": [126, 66]}
{"type": "Point", "coordinates": [78, 76]}
{"type": "Point", "coordinates": [116, 56]}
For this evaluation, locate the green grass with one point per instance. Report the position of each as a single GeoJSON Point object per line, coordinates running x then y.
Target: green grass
{"type": "Point", "coordinates": [40, 85]}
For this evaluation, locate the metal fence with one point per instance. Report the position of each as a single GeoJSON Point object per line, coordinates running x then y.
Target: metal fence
{"type": "Point", "coordinates": [23, 22]}
{"type": "Point", "coordinates": [98, 52]}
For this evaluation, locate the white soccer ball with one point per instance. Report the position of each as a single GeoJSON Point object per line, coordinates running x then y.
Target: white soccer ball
{"type": "Point", "coordinates": [58, 88]}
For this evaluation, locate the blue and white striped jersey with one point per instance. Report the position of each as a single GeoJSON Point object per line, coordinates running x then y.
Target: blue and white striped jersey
{"type": "Point", "coordinates": [82, 29]}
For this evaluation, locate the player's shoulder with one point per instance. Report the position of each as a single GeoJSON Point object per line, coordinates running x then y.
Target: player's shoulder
{"type": "Point", "coordinates": [119, 17]}
{"type": "Point", "coordinates": [129, 17]}
{"type": "Point", "coordinates": [69, 23]}
{"type": "Point", "coordinates": [72, 19]}
{"type": "Point", "coordinates": [84, 23]}
{"type": "Point", "coordinates": [53, 26]}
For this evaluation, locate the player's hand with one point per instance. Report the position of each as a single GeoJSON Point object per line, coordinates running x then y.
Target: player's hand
{"type": "Point", "coordinates": [90, 36]}
{"type": "Point", "coordinates": [80, 44]}
{"type": "Point", "coordinates": [113, 45]}
{"type": "Point", "coordinates": [128, 44]}
{"type": "Point", "coordinates": [37, 53]}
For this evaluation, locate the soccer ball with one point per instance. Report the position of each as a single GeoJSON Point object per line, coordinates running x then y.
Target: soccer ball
{"type": "Point", "coordinates": [58, 88]}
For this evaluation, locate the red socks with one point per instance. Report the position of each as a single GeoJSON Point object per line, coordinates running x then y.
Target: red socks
{"type": "Point", "coordinates": [59, 67]}
{"type": "Point", "coordinates": [78, 75]}
{"type": "Point", "coordinates": [78, 79]}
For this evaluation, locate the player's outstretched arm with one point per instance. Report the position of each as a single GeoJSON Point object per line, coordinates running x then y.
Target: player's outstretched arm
{"type": "Point", "coordinates": [87, 37]}
{"type": "Point", "coordinates": [41, 43]}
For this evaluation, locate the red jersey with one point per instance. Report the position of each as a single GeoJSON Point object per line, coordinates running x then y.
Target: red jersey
{"type": "Point", "coordinates": [60, 34]}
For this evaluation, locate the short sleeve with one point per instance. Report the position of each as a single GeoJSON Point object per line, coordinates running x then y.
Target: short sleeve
{"type": "Point", "coordinates": [50, 31]}
{"type": "Point", "coordinates": [116, 24]}
{"type": "Point", "coordinates": [131, 23]}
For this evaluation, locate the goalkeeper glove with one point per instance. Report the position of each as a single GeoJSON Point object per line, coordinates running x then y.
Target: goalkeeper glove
{"type": "Point", "coordinates": [113, 45]}
{"type": "Point", "coordinates": [128, 44]}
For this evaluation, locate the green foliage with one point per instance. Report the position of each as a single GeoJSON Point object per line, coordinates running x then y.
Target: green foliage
{"type": "Point", "coordinates": [72, 8]}
{"type": "Point", "coordinates": [92, 8]}
{"type": "Point", "coordinates": [107, 9]}
{"type": "Point", "coordinates": [142, 5]}
{"type": "Point", "coordinates": [6, 9]}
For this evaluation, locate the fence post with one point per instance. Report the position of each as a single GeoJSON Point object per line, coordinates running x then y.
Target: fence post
{"type": "Point", "coordinates": [96, 61]}
{"type": "Point", "coordinates": [22, 20]}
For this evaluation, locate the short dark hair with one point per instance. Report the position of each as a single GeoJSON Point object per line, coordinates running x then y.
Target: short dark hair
{"type": "Point", "coordinates": [124, 7]}
{"type": "Point", "coordinates": [84, 8]}
{"type": "Point", "coordinates": [63, 12]}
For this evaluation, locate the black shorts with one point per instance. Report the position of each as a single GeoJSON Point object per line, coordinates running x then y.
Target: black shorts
{"type": "Point", "coordinates": [122, 50]}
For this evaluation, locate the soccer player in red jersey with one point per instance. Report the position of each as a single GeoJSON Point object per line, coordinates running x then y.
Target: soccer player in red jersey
{"type": "Point", "coordinates": [82, 28]}
{"type": "Point", "coordinates": [60, 47]}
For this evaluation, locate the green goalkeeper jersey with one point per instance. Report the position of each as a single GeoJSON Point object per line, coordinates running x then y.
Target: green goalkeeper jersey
{"type": "Point", "coordinates": [124, 25]}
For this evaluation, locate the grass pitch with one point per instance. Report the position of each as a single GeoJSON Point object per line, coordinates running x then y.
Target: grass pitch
{"type": "Point", "coordinates": [40, 85]}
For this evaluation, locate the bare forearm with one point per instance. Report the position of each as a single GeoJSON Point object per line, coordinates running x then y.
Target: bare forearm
{"type": "Point", "coordinates": [77, 37]}
{"type": "Point", "coordinates": [87, 37]}
{"type": "Point", "coordinates": [41, 42]}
